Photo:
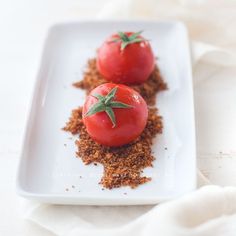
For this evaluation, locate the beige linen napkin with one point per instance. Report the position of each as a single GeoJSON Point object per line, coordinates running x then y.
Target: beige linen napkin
{"type": "Point", "coordinates": [210, 210]}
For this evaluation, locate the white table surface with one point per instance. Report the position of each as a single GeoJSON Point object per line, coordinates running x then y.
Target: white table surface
{"type": "Point", "coordinates": [23, 26]}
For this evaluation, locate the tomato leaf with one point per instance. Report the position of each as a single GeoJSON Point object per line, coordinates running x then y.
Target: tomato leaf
{"type": "Point", "coordinates": [135, 35]}
{"type": "Point", "coordinates": [111, 115]}
{"type": "Point", "coordinates": [137, 40]}
{"type": "Point", "coordinates": [119, 105]}
{"type": "Point", "coordinates": [110, 96]}
{"type": "Point", "coordinates": [98, 96]}
{"type": "Point", "coordinates": [123, 45]}
{"type": "Point", "coordinates": [97, 107]}
{"type": "Point", "coordinates": [123, 36]}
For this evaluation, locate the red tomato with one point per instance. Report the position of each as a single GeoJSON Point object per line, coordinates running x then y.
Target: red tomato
{"type": "Point", "coordinates": [129, 110]}
{"type": "Point", "coordinates": [131, 65]}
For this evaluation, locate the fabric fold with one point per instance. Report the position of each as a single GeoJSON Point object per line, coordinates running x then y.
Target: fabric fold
{"type": "Point", "coordinates": [210, 210]}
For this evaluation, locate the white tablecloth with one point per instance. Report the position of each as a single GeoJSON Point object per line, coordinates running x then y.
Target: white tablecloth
{"type": "Point", "coordinates": [23, 26]}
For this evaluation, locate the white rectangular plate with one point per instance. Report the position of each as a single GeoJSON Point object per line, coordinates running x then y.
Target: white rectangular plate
{"type": "Point", "coordinates": [49, 171]}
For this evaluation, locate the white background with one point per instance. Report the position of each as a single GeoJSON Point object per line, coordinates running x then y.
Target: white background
{"type": "Point", "coordinates": [23, 25]}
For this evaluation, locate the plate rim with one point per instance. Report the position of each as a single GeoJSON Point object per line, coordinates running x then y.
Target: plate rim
{"type": "Point", "coordinates": [80, 200]}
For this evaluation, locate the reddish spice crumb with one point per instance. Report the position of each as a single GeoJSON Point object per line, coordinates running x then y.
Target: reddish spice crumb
{"type": "Point", "coordinates": [123, 166]}
{"type": "Point", "coordinates": [75, 123]}
{"type": "Point", "coordinates": [148, 90]}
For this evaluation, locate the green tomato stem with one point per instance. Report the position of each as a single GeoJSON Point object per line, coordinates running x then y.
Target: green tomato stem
{"type": "Point", "coordinates": [106, 104]}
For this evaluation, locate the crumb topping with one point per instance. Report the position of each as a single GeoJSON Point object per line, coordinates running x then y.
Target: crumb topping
{"type": "Point", "coordinates": [123, 166]}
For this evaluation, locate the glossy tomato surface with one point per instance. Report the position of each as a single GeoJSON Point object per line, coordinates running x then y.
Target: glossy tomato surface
{"type": "Point", "coordinates": [130, 122]}
{"type": "Point", "coordinates": [132, 65]}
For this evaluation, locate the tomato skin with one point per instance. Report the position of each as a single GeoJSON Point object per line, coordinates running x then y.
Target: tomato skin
{"type": "Point", "coordinates": [130, 122]}
{"type": "Point", "coordinates": [133, 65]}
